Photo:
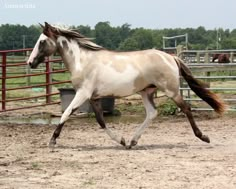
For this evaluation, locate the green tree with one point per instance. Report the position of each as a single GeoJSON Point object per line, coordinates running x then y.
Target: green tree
{"type": "Point", "coordinates": [129, 44]}
{"type": "Point", "coordinates": [122, 37]}
{"type": "Point", "coordinates": [85, 30]}
{"type": "Point", "coordinates": [140, 39]}
{"type": "Point", "coordinates": [17, 36]}
{"type": "Point", "coordinates": [229, 43]}
{"type": "Point", "coordinates": [104, 35]}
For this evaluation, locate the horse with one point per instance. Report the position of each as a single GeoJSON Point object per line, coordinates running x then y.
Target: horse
{"type": "Point", "coordinates": [97, 72]}
{"type": "Point", "coordinates": [222, 58]}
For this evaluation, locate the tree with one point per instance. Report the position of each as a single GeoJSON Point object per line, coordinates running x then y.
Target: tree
{"type": "Point", "coordinates": [122, 37]}
{"type": "Point", "coordinates": [144, 38]}
{"type": "Point", "coordinates": [104, 35]}
{"type": "Point", "coordinates": [229, 43]}
{"type": "Point", "coordinates": [124, 31]}
{"type": "Point", "coordinates": [85, 30]}
{"type": "Point", "coordinates": [17, 36]}
{"type": "Point", "coordinates": [129, 44]}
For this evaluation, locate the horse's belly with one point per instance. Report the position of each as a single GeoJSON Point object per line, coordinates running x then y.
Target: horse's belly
{"type": "Point", "coordinates": [113, 82]}
{"type": "Point", "coordinates": [117, 89]}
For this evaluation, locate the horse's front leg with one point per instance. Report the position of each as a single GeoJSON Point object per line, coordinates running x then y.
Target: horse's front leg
{"type": "Point", "coordinates": [97, 108]}
{"type": "Point", "coordinates": [79, 99]}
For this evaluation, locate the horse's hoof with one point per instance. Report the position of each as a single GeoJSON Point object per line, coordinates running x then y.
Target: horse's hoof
{"type": "Point", "coordinates": [128, 147]}
{"type": "Point", "coordinates": [205, 138]}
{"type": "Point", "coordinates": [52, 143]}
{"type": "Point", "coordinates": [132, 143]}
{"type": "Point", "coordinates": [122, 142]}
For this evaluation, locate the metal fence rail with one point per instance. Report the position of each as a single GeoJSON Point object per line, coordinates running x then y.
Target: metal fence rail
{"type": "Point", "coordinates": [202, 68]}
{"type": "Point", "coordinates": [209, 72]}
{"type": "Point", "coordinates": [46, 73]}
{"type": "Point", "coordinates": [204, 56]}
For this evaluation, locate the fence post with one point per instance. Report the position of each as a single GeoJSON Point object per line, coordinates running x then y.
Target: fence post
{"type": "Point", "coordinates": [207, 60]}
{"type": "Point", "coordinates": [48, 82]}
{"type": "Point", "coordinates": [231, 57]}
{"type": "Point", "coordinates": [28, 70]}
{"type": "Point", "coordinates": [4, 75]}
{"type": "Point", "coordinates": [198, 57]}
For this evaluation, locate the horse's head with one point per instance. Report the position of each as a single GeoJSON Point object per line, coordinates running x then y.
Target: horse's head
{"type": "Point", "coordinates": [45, 46]}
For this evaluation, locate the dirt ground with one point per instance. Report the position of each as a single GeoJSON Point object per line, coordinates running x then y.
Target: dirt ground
{"type": "Point", "coordinates": [168, 155]}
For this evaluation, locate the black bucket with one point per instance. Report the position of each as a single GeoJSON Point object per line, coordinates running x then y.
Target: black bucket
{"type": "Point", "coordinates": [67, 95]}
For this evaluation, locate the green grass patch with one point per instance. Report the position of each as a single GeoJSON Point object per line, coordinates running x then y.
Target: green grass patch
{"type": "Point", "coordinates": [167, 107]}
{"type": "Point", "coordinates": [131, 108]}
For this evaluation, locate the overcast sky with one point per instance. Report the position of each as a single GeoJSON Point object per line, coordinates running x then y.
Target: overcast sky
{"type": "Point", "coordinates": [154, 14]}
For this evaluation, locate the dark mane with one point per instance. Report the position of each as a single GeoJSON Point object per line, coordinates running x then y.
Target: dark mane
{"type": "Point", "coordinates": [81, 39]}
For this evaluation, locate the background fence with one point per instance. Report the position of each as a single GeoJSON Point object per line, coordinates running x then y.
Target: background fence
{"type": "Point", "coordinates": [23, 88]}
{"type": "Point", "coordinates": [220, 76]}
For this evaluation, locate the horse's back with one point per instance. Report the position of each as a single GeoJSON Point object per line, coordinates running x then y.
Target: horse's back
{"type": "Point", "coordinates": [125, 73]}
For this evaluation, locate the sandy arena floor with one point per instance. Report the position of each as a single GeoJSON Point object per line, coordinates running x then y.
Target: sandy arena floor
{"type": "Point", "coordinates": [168, 155]}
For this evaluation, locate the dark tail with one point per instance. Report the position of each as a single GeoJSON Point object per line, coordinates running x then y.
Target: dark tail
{"type": "Point", "coordinates": [200, 89]}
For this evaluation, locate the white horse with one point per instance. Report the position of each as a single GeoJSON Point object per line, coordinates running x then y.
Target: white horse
{"type": "Point", "coordinates": [97, 72]}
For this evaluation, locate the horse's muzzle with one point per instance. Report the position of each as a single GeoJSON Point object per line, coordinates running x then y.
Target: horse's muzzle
{"type": "Point", "coordinates": [32, 65]}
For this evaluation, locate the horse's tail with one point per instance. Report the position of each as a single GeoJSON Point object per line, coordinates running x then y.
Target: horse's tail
{"type": "Point", "coordinates": [200, 88]}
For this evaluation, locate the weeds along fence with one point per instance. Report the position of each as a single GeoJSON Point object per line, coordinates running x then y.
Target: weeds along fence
{"type": "Point", "coordinates": [23, 88]}
{"type": "Point", "coordinates": [220, 76]}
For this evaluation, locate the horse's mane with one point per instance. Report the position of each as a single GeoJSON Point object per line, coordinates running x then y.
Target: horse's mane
{"type": "Point", "coordinates": [81, 39]}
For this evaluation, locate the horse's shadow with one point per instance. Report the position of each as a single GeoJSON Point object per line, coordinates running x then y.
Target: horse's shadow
{"type": "Point", "coordinates": [120, 148]}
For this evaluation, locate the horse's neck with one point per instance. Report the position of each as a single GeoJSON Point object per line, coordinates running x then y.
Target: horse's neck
{"type": "Point", "coordinates": [70, 53]}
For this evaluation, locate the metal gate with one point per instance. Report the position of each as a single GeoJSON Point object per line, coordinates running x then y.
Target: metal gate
{"type": "Point", "coordinates": [20, 86]}
{"type": "Point", "coordinates": [220, 76]}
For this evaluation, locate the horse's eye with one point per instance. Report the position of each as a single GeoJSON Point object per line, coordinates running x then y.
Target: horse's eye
{"type": "Point", "coordinates": [42, 42]}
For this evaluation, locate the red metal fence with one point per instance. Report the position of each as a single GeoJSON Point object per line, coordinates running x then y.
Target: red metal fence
{"type": "Point", "coordinates": [5, 76]}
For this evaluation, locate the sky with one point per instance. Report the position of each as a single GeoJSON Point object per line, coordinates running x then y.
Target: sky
{"type": "Point", "coordinates": [153, 14]}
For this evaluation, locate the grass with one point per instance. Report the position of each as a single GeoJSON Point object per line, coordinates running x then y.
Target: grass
{"type": "Point", "coordinates": [164, 107]}
{"type": "Point", "coordinates": [167, 107]}
{"type": "Point", "coordinates": [32, 80]}
{"type": "Point", "coordinates": [131, 107]}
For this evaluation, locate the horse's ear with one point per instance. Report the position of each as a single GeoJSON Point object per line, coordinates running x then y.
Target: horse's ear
{"type": "Point", "coordinates": [42, 26]}
{"type": "Point", "coordinates": [47, 25]}
{"type": "Point", "coordinates": [48, 30]}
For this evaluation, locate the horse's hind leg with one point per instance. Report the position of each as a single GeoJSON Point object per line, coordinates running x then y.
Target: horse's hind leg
{"type": "Point", "coordinates": [187, 110]}
{"type": "Point", "coordinates": [151, 113]}
{"type": "Point", "coordinates": [79, 99]}
{"type": "Point", "coordinates": [97, 107]}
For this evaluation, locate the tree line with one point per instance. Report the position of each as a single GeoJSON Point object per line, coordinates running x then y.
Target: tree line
{"type": "Point", "coordinates": [123, 37]}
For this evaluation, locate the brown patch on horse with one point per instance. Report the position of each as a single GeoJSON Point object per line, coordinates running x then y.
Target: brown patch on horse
{"type": "Point", "coordinates": [140, 83]}
{"type": "Point", "coordinates": [65, 45]}
{"type": "Point", "coordinates": [119, 67]}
